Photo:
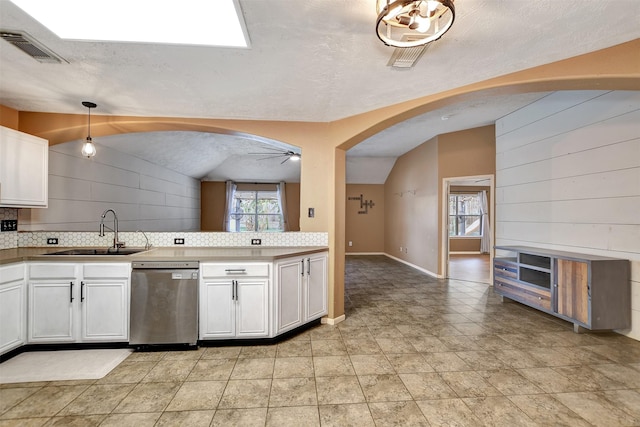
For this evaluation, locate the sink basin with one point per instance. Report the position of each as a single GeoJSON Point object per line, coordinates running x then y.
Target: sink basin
{"type": "Point", "coordinates": [100, 251]}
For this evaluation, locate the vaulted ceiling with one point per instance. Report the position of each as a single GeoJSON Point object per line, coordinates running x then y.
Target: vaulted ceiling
{"type": "Point", "coordinates": [312, 60]}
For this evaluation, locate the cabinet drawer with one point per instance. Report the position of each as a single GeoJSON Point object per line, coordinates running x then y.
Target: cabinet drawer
{"type": "Point", "coordinates": [234, 269]}
{"type": "Point", "coordinates": [106, 270]}
{"type": "Point", "coordinates": [11, 273]}
{"type": "Point", "coordinates": [520, 292]}
{"type": "Point", "coordinates": [52, 271]}
{"type": "Point", "coordinates": [503, 268]}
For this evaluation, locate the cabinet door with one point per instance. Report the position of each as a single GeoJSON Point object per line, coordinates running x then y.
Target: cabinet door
{"type": "Point", "coordinates": [105, 310]}
{"type": "Point", "coordinates": [252, 308]}
{"type": "Point", "coordinates": [572, 290]}
{"type": "Point", "coordinates": [23, 169]}
{"type": "Point", "coordinates": [217, 309]}
{"type": "Point", "coordinates": [13, 315]}
{"type": "Point", "coordinates": [289, 306]}
{"type": "Point", "coordinates": [316, 287]}
{"type": "Point", "coordinates": [51, 305]}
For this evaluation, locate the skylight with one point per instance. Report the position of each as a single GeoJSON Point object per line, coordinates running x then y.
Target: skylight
{"type": "Point", "coordinates": [193, 22]}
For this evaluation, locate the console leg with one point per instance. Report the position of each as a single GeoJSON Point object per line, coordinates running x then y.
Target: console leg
{"type": "Point", "coordinates": [578, 329]}
{"type": "Point", "coordinates": [505, 299]}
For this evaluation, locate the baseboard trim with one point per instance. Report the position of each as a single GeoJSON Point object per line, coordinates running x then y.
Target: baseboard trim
{"type": "Point", "coordinates": [333, 321]}
{"type": "Point", "coordinates": [364, 253]}
{"type": "Point", "coordinates": [424, 270]}
{"type": "Point", "coordinates": [466, 253]}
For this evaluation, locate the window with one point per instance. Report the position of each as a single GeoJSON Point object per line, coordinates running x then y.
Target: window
{"type": "Point", "coordinates": [465, 216]}
{"type": "Point", "coordinates": [256, 210]}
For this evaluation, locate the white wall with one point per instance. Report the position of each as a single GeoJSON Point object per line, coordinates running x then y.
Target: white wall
{"type": "Point", "coordinates": [144, 195]}
{"type": "Point", "coordinates": [568, 178]}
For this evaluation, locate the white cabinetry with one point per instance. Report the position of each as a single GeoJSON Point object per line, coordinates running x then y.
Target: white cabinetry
{"type": "Point", "coordinates": [71, 302]}
{"type": "Point", "coordinates": [24, 161]}
{"type": "Point", "coordinates": [234, 300]}
{"type": "Point", "coordinates": [13, 307]}
{"type": "Point", "coordinates": [301, 290]}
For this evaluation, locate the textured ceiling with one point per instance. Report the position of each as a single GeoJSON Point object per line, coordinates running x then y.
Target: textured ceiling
{"type": "Point", "coordinates": [312, 60]}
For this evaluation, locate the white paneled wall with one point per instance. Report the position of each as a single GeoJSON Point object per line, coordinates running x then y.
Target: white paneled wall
{"type": "Point", "coordinates": [144, 195]}
{"type": "Point", "coordinates": [568, 178]}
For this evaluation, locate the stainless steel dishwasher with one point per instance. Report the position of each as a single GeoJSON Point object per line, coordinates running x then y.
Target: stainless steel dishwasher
{"type": "Point", "coordinates": [164, 303]}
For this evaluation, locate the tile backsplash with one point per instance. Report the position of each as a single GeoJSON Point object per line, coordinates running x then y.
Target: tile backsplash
{"type": "Point", "coordinates": [193, 239]}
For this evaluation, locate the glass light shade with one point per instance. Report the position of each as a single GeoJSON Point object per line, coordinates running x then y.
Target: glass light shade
{"type": "Point", "coordinates": [88, 149]}
{"type": "Point", "coordinates": [295, 157]}
{"type": "Point", "coordinates": [411, 23]}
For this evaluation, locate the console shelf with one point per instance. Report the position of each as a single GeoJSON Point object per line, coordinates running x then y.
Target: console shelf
{"type": "Point", "coordinates": [591, 291]}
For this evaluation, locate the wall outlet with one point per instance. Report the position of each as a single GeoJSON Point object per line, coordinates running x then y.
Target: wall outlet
{"type": "Point", "coordinates": [350, 243]}
{"type": "Point", "coordinates": [256, 241]}
{"type": "Point", "coordinates": [52, 240]}
{"type": "Point", "coordinates": [178, 241]}
{"type": "Point", "coordinates": [9, 225]}
{"type": "Point", "coordinates": [400, 249]}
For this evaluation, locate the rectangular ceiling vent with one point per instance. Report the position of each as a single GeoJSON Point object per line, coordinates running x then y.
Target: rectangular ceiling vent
{"type": "Point", "coordinates": [28, 45]}
{"type": "Point", "coordinates": [406, 57]}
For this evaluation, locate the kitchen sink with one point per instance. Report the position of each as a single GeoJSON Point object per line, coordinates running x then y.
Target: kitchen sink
{"type": "Point", "coordinates": [100, 251]}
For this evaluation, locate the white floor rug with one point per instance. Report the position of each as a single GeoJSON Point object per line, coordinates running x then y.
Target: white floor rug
{"type": "Point", "coordinates": [61, 365]}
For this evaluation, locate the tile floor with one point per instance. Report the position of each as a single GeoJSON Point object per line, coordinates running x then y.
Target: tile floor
{"type": "Point", "coordinates": [413, 351]}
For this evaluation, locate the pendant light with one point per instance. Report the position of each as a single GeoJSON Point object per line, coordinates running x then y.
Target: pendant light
{"type": "Point", "coordinates": [88, 149]}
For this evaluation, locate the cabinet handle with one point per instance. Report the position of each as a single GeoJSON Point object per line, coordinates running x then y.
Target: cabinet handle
{"type": "Point", "coordinates": [233, 290]}
{"type": "Point", "coordinates": [81, 291]}
{"type": "Point", "coordinates": [236, 285]}
{"type": "Point", "coordinates": [70, 291]}
{"type": "Point", "coordinates": [308, 266]}
{"type": "Point", "coordinates": [302, 261]}
{"type": "Point", "coordinates": [236, 270]}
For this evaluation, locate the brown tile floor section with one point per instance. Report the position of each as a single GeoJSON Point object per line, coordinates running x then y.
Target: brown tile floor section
{"type": "Point", "coordinates": [413, 351]}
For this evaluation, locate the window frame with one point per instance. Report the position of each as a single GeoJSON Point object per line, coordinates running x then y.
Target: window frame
{"type": "Point", "coordinates": [235, 217]}
{"type": "Point", "coordinates": [460, 218]}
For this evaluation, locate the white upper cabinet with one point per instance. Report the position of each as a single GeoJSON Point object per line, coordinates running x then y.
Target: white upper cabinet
{"type": "Point", "coordinates": [24, 163]}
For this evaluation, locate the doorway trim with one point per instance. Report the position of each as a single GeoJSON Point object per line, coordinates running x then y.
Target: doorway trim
{"type": "Point", "coordinates": [444, 247]}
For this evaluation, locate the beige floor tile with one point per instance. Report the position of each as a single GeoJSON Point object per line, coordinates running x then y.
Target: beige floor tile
{"type": "Point", "coordinates": [10, 397]}
{"type": "Point", "coordinates": [456, 343]}
{"type": "Point", "coordinates": [192, 354]}
{"type": "Point", "coordinates": [131, 420]}
{"type": "Point", "coordinates": [357, 332]}
{"type": "Point", "coordinates": [469, 384]}
{"type": "Point", "coordinates": [258, 351]}
{"type": "Point", "coordinates": [167, 371]}
{"type": "Point", "coordinates": [510, 382]}
{"type": "Point", "coordinates": [346, 415]}
{"type": "Point", "coordinates": [197, 395]}
{"type": "Point", "coordinates": [248, 417]}
{"type": "Point", "coordinates": [448, 361]}
{"type": "Point", "coordinates": [293, 392]}
{"type": "Point", "coordinates": [146, 356]}
{"type": "Point", "coordinates": [627, 400]}
{"type": "Point", "coordinates": [396, 345]}
{"type": "Point", "coordinates": [589, 379]}
{"type": "Point", "coordinates": [325, 332]}
{"type": "Point", "coordinates": [331, 366]}
{"type": "Point", "coordinates": [185, 418]}
{"type": "Point", "coordinates": [221, 352]}
{"type": "Point", "coordinates": [294, 349]}
{"type": "Point", "coordinates": [448, 412]}
{"type": "Point", "coordinates": [148, 397]}
{"type": "Point", "coordinates": [24, 422]}
{"type": "Point", "coordinates": [429, 385]}
{"type": "Point", "coordinates": [246, 394]}
{"type": "Point", "coordinates": [397, 414]}
{"type": "Point", "coordinates": [367, 364]}
{"type": "Point", "coordinates": [517, 358]}
{"type": "Point", "coordinates": [596, 409]}
{"type": "Point", "coordinates": [383, 388]}
{"type": "Point", "coordinates": [76, 420]}
{"type": "Point", "coordinates": [328, 348]}
{"type": "Point", "coordinates": [46, 402]}
{"type": "Point", "coordinates": [546, 410]}
{"type": "Point", "coordinates": [128, 372]}
{"type": "Point", "coordinates": [98, 399]}
{"type": "Point", "coordinates": [294, 416]}
{"type": "Point", "coordinates": [339, 390]}
{"type": "Point", "coordinates": [362, 346]}
{"type": "Point", "coordinates": [623, 374]}
{"type": "Point", "coordinates": [549, 380]}
{"type": "Point", "coordinates": [409, 363]}
{"type": "Point", "coordinates": [498, 411]}
{"type": "Point", "coordinates": [246, 369]}
{"type": "Point", "coordinates": [293, 367]}
{"type": "Point", "coordinates": [212, 370]}
{"type": "Point", "coordinates": [479, 360]}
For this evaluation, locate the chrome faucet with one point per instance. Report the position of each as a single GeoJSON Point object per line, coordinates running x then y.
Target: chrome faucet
{"type": "Point", "coordinates": [116, 243]}
{"type": "Point", "coordinates": [148, 245]}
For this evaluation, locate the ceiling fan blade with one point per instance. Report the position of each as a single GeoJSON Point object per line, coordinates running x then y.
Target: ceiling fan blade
{"type": "Point", "coordinates": [288, 157]}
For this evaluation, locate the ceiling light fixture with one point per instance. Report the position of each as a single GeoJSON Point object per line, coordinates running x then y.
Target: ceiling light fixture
{"type": "Point", "coordinates": [88, 149]}
{"type": "Point", "coordinates": [411, 23]}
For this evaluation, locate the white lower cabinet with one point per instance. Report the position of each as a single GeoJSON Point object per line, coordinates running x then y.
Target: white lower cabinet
{"type": "Point", "coordinates": [13, 307]}
{"type": "Point", "coordinates": [70, 302]}
{"type": "Point", "coordinates": [301, 290]}
{"type": "Point", "coordinates": [234, 300]}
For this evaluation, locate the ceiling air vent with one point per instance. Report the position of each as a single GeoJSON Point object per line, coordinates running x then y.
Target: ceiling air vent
{"type": "Point", "coordinates": [406, 57]}
{"type": "Point", "coordinates": [28, 45]}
